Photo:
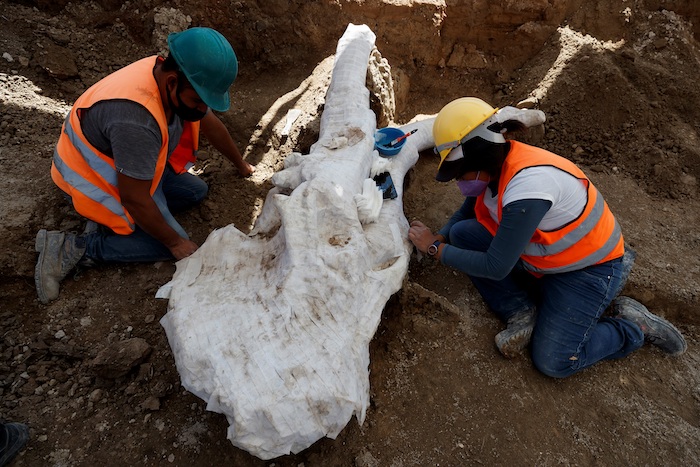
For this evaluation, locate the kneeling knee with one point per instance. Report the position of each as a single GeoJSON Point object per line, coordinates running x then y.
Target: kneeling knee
{"type": "Point", "coordinates": [554, 367]}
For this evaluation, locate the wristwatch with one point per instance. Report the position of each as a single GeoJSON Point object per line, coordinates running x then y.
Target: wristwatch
{"type": "Point", "coordinates": [433, 249]}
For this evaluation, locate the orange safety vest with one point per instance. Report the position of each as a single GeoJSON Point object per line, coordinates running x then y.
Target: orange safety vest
{"type": "Point", "coordinates": [89, 176]}
{"type": "Point", "coordinates": [594, 237]}
{"type": "Point", "coordinates": [185, 154]}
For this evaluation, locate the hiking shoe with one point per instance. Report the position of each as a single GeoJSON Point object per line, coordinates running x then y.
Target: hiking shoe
{"type": "Point", "coordinates": [516, 336]}
{"type": "Point", "coordinates": [58, 254]}
{"type": "Point", "coordinates": [656, 330]}
{"type": "Point", "coordinates": [13, 437]}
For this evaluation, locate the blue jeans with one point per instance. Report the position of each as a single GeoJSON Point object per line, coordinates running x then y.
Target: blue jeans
{"type": "Point", "coordinates": [174, 194]}
{"type": "Point", "coordinates": [570, 332]}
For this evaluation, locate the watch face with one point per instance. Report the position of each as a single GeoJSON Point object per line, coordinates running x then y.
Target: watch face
{"type": "Point", "coordinates": [432, 249]}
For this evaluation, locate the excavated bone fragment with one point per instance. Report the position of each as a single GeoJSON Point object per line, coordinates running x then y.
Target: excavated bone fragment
{"type": "Point", "coordinates": [272, 329]}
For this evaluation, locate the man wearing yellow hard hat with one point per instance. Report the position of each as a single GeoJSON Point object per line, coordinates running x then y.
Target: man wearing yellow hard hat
{"type": "Point", "coordinates": [538, 242]}
{"type": "Point", "coordinates": [123, 154]}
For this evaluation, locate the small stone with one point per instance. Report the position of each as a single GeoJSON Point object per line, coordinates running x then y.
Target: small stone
{"type": "Point", "coordinates": [119, 358]}
{"type": "Point", "coordinates": [60, 334]}
{"type": "Point", "coordinates": [152, 404]}
{"type": "Point", "coordinates": [689, 180]}
{"type": "Point", "coordinates": [660, 43]}
{"type": "Point", "coordinates": [95, 395]}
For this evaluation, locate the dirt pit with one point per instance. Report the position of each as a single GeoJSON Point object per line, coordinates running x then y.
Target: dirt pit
{"type": "Point", "coordinates": [618, 82]}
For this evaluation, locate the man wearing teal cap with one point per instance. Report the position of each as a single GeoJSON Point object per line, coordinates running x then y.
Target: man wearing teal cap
{"type": "Point", "coordinates": [123, 154]}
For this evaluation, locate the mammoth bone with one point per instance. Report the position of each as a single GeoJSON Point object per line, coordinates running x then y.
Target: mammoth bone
{"type": "Point", "coordinates": [272, 329]}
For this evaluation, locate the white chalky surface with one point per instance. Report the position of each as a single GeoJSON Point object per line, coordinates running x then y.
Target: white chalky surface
{"type": "Point", "coordinates": [272, 329]}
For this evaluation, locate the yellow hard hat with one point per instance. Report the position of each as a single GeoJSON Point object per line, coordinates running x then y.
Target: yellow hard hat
{"type": "Point", "coordinates": [456, 120]}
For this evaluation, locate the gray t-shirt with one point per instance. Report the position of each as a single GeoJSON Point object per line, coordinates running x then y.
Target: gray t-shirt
{"type": "Point", "coordinates": [127, 132]}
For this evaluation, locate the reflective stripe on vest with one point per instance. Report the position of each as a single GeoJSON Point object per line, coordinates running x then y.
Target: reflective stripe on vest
{"type": "Point", "coordinates": [598, 256]}
{"type": "Point", "coordinates": [538, 249]}
{"type": "Point", "coordinates": [594, 237]}
{"type": "Point", "coordinates": [79, 183]}
{"type": "Point", "coordinates": [89, 176]}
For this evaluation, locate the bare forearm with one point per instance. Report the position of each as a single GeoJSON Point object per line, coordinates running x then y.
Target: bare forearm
{"type": "Point", "coordinates": [228, 148]}
{"type": "Point", "coordinates": [136, 199]}
{"type": "Point", "coordinates": [220, 138]}
{"type": "Point", "coordinates": [147, 216]}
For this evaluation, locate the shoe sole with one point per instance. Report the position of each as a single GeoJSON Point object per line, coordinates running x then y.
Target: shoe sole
{"type": "Point", "coordinates": [514, 344]}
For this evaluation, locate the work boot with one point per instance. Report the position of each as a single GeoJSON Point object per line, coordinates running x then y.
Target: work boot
{"type": "Point", "coordinates": [58, 255]}
{"type": "Point", "coordinates": [13, 437]}
{"type": "Point", "coordinates": [516, 336]}
{"type": "Point", "coordinates": [656, 330]}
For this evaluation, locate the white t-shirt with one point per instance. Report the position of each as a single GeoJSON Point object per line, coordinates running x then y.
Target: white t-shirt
{"type": "Point", "coordinates": [567, 194]}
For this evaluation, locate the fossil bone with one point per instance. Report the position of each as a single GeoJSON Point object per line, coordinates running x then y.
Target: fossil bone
{"type": "Point", "coordinates": [272, 329]}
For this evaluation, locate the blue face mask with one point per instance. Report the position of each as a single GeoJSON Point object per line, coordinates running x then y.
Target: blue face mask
{"type": "Point", "coordinates": [472, 187]}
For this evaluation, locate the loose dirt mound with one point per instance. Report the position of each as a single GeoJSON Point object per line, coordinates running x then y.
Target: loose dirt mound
{"type": "Point", "coordinates": [618, 82]}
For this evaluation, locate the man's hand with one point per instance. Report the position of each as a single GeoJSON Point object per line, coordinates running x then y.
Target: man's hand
{"type": "Point", "coordinates": [183, 248]}
{"type": "Point", "coordinates": [245, 169]}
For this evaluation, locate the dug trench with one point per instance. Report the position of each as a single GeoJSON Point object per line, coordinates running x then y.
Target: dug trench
{"type": "Point", "coordinates": [617, 81]}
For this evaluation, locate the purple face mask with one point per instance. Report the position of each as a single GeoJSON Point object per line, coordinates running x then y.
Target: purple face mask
{"type": "Point", "coordinates": [472, 187]}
